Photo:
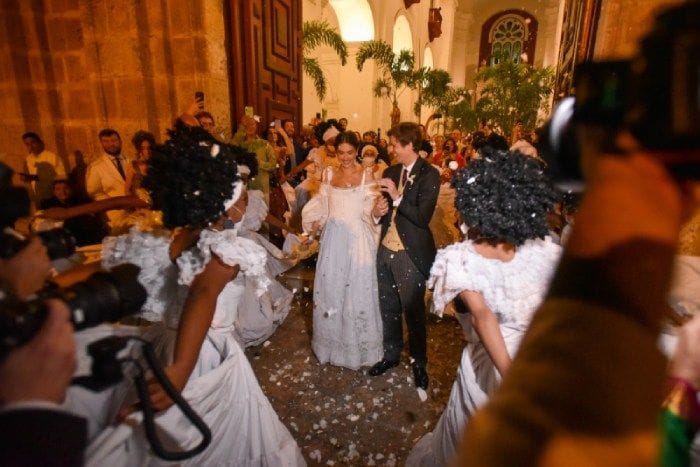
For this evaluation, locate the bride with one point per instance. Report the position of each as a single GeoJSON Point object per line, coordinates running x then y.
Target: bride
{"type": "Point", "coordinates": [347, 326]}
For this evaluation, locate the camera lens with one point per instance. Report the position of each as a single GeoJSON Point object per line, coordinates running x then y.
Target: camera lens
{"type": "Point", "coordinates": [106, 296]}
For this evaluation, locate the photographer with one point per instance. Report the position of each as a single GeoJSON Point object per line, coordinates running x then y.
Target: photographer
{"type": "Point", "coordinates": [34, 377]}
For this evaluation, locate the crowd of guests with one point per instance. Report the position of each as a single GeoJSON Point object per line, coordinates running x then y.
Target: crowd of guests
{"type": "Point", "coordinates": [471, 217]}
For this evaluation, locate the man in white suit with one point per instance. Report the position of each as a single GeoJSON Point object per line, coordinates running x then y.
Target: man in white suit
{"type": "Point", "coordinates": [106, 175]}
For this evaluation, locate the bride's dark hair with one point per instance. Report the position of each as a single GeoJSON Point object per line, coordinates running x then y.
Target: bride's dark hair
{"type": "Point", "coordinates": [347, 137]}
{"type": "Point", "coordinates": [190, 177]}
{"type": "Point", "coordinates": [504, 197]}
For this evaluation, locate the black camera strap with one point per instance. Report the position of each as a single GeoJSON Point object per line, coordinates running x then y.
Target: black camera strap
{"type": "Point", "coordinates": [174, 394]}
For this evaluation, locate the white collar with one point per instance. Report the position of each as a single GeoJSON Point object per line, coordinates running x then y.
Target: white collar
{"type": "Point", "coordinates": [410, 167]}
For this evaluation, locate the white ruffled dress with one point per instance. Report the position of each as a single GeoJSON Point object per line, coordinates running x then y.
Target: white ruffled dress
{"type": "Point", "coordinates": [259, 315]}
{"type": "Point", "coordinates": [513, 290]}
{"type": "Point", "coordinates": [222, 388]}
{"type": "Point", "coordinates": [347, 324]}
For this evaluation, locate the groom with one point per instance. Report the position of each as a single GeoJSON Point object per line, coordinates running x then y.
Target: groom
{"type": "Point", "coordinates": [406, 251]}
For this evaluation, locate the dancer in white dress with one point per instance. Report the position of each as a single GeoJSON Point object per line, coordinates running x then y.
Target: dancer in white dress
{"type": "Point", "coordinates": [347, 326]}
{"type": "Point", "coordinates": [501, 273]}
{"type": "Point", "coordinates": [260, 315]}
{"type": "Point", "coordinates": [190, 178]}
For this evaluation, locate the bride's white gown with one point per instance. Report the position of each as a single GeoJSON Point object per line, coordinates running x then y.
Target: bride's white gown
{"type": "Point", "coordinates": [347, 325]}
{"type": "Point", "coordinates": [513, 290]}
{"type": "Point", "coordinates": [222, 389]}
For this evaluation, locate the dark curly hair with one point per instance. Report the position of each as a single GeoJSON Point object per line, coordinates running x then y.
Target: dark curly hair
{"type": "Point", "coordinates": [141, 136]}
{"type": "Point", "coordinates": [503, 197]}
{"type": "Point", "coordinates": [248, 159]}
{"type": "Point", "coordinates": [321, 128]}
{"type": "Point", "coordinates": [188, 180]}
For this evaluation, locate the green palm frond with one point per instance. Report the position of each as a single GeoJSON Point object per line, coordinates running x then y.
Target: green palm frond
{"type": "Point", "coordinates": [315, 33]}
{"type": "Point", "coordinates": [513, 91]}
{"type": "Point", "coordinates": [313, 70]}
{"type": "Point", "coordinates": [382, 88]}
{"type": "Point", "coordinates": [379, 51]}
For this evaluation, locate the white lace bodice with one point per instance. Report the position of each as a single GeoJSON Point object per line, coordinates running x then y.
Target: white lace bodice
{"type": "Point", "coordinates": [339, 204]}
{"type": "Point", "coordinates": [512, 290]}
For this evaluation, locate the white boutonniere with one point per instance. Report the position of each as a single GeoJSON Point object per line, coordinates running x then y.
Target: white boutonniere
{"type": "Point", "coordinates": [410, 179]}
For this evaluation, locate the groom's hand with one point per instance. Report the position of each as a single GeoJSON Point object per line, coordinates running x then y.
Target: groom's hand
{"type": "Point", "coordinates": [387, 185]}
{"type": "Point", "coordinates": [381, 207]}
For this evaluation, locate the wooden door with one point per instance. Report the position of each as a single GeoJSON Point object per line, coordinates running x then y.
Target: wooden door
{"type": "Point", "coordinates": [265, 58]}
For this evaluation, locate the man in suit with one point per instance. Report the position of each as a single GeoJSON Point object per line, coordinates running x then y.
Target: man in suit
{"type": "Point", "coordinates": [407, 250]}
{"type": "Point", "coordinates": [106, 175]}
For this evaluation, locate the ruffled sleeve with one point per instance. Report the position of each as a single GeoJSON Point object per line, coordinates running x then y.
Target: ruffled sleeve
{"type": "Point", "coordinates": [451, 274]}
{"type": "Point", "coordinates": [371, 194]}
{"type": "Point", "coordinates": [512, 290]}
{"type": "Point", "coordinates": [149, 251]}
{"type": "Point", "coordinates": [232, 250]}
{"type": "Point", "coordinates": [316, 210]}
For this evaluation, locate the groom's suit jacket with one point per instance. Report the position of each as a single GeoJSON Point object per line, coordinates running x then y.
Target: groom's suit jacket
{"type": "Point", "coordinates": [414, 212]}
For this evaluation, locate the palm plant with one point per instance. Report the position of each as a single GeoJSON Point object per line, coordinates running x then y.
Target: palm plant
{"type": "Point", "coordinates": [437, 92]}
{"type": "Point", "coordinates": [314, 34]}
{"type": "Point", "coordinates": [513, 91]}
{"type": "Point", "coordinates": [397, 72]}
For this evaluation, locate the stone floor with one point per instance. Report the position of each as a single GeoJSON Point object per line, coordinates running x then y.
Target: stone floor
{"type": "Point", "coordinates": [344, 417]}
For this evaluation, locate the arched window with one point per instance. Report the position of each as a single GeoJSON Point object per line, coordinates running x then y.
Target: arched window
{"type": "Point", "coordinates": [508, 35]}
{"type": "Point", "coordinates": [507, 40]}
{"type": "Point", "coordinates": [428, 57]}
{"type": "Point", "coordinates": [403, 39]}
{"type": "Point", "coordinates": [355, 19]}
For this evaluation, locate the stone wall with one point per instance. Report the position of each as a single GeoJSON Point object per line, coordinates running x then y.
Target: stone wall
{"type": "Point", "coordinates": [69, 68]}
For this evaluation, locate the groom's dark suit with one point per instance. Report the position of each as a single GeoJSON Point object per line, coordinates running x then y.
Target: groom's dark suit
{"type": "Point", "coordinates": [404, 260]}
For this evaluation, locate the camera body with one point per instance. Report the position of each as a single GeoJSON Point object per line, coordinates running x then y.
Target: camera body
{"type": "Point", "coordinates": [103, 297]}
{"type": "Point", "coordinates": [655, 96]}
{"type": "Point", "coordinates": [59, 243]}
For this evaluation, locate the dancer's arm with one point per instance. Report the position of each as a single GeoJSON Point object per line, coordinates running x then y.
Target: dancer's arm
{"type": "Point", "coordinates": [93, 207]}
{"type": "Point", "coordinates": [488, 329]}
{"type": "Point", "coordinates": [194, 324]}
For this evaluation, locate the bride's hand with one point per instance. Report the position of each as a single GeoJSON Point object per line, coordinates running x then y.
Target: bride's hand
{"type": "Point", "coordinates": [381, 207]}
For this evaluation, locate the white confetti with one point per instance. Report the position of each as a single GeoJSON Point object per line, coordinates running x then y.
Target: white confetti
{"type": "Point", "coordinates": [215, 150]}
{"type": "Point", "coordinates": [471, 180]}
{"type": "Point", "coordinates": [266, 343]}
{"type": "Point", "coordinates": [422, 394]}
{"type": "Point", "coordinates": [315, 456]}
{"type": "Point", "coordinates": [353, 417]}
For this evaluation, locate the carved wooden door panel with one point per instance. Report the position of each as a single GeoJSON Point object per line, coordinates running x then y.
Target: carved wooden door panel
{"type": "Point", "coordinates": [265, 58]}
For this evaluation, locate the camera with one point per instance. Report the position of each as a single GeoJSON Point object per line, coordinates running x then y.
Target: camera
{"type": "Point", "coordinates": [103, 297]}
{"type": "Point", "coordinates": [59, 243]}
{"type": "Point", "coordinates": [655, 96]}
